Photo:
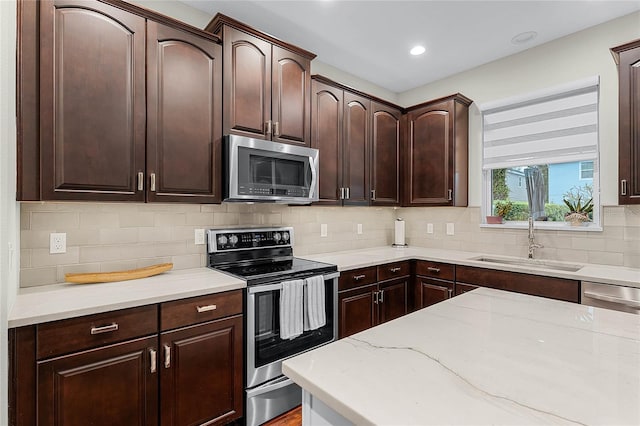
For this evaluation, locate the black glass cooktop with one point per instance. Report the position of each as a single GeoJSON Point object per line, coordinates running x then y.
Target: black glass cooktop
{"type": "Point", "coordinates": [263, 272]}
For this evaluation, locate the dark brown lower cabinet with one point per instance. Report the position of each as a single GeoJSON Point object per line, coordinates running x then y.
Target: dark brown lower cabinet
{"type": "Point", "coordinates": [430, 291]}
{"type": "Point", "coordinates": [463, 288]}
{"type": "Point", "coordinates": [365, 307]}
{"type": "Point", "coordinates": [201, 373]}
{"type": "Point", "coordinates": [113, 385]}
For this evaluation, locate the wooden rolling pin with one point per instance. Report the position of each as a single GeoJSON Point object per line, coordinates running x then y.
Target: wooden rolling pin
{"type": "Point", "coordinates": [107, 277]}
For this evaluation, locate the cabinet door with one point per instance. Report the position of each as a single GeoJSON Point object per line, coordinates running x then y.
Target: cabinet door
{"type": "Point", "coordinates": [326, 137]}
{"type": "Point", "coordinates": [290, 97]}
{"type": "Point", "coordinates": [431, 291]}
{"type": "Point", "coordinates": [184, 120]}
{"type": "Point", "coordinates": [392, 300]}
{"type": "Point", "coordinates": [356, 149]}
{"type": "Point", "coordinates": [92, 101]}
{"type": "Point", "coordinates": [356, 310]}
{"type": "Point", "coordinates": [629, 122]}
{"type": "Point", "coordinates": [201, 373]}
{"type": "Point", "coordinates": [430, 155]}
{"type": "Point", "coordinates": [463, 288]}
{"type": "Point", "coordinates": [112, 385]}
{"type": "Point", "coordinates": [385, 155]}
{"type": "Point", "coordinates": [247, 88]}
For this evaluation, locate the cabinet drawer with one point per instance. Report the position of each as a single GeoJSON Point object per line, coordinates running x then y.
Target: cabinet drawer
{"type": "Point", "coordinates": [444, 271]}
{"type": "Point", "coordinates": [75, 334]}
{"type": "Point", "coordinates": [180, 313]}
{"type": "Point", "coordinates": [357, 277]}
{"type": "Point", "coordinates": [393, 270]}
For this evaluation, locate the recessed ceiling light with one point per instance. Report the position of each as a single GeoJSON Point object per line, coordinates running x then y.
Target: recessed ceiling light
{"type": "Point", "coordinates": [525, 37]}
{"type": "Point", "coordinates": [417, 50]}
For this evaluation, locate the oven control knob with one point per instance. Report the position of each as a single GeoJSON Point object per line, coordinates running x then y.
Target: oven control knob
{"type": "Point", "coordinates": [285, 236]}
{"type": "Point", "coordinates": [233, 239]}
{"type": "Point", "coordinates": [277, 237]}
{"type": "Point", "coordinates": [222, 240]}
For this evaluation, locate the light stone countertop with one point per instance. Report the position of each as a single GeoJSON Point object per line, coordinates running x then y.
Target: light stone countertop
{"type": "Point", "coordinates": [352, 259]}
{"type": "Point", "coordinates": [61, 301]}
{"type": "Point", "coordinates": [484, 357]}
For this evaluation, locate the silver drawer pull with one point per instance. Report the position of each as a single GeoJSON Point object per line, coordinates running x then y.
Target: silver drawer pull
{"type": "Point", "coordinates": [394, 269]}
{"type": "Point", "coordinates": [206, 308]}
{"type": "Point", "coordinates": [432, 269]}
{"type": "Point", "coordinates": [359, 277]}
{"type": "Point", "coordinates": [105, 328]}
{"type": "Point", "coordinates": [167, 356]}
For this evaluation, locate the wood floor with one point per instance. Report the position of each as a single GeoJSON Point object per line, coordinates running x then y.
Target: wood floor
{"type": "Point", "coordinates": [290, 418]}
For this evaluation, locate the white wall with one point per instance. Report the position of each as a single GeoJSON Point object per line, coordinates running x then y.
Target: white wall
{"type": "Point", "coordinates": [176, 10]}
{"type": "Point", "coordinates": [9, 210]}
{"type": "Point", "coordinates": [570, 58]}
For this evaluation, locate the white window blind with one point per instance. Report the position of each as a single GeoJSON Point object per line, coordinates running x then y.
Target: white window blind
{"type": "Point", "coordinates": [556, 125]}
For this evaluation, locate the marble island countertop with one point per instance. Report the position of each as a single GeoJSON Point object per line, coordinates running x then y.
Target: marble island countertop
{"type": "Point", "coordinates": [353, 259]}
{"type": "Point", "coordinates": [485, 357]}
{"type": "Point", "coordinates": [61, 301]}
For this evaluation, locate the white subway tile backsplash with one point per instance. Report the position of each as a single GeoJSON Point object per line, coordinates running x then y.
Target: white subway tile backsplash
{"type": "Point", "coordinates": [104, 236]}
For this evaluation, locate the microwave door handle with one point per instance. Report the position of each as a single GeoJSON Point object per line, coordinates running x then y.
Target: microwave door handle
{"type": "Point", "coordinates": [314, 177]}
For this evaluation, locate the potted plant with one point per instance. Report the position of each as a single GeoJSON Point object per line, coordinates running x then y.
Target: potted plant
{"type": "Point", "coordinates": [578, 212]}
{"type": "Point", "coordinates": [502, 209]}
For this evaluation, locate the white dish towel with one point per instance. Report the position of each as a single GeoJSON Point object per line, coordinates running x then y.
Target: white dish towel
{"type": "Point", "coordinates": [314, 310]}
{"type": "Point", "coordinates": [291, 309]}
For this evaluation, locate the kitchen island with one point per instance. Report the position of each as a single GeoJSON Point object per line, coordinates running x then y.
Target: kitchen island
{"type": "Point", "coordinates": [485, 357]}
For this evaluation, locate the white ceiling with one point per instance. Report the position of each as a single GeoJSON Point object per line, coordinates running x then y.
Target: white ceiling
{"type": "Point", "coordinates": [371, 39]}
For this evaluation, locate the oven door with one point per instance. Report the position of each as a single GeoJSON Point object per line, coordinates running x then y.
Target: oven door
{"type": "Point", "coordinates": [265, 349]}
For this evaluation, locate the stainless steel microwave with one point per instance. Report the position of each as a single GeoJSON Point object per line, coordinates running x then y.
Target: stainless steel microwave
{"type": "Point", "coordinates": [265, 171]}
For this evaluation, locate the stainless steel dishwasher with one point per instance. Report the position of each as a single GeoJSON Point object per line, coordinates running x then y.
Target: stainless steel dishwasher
{"type": "Point", "coordinates": [616, 297]}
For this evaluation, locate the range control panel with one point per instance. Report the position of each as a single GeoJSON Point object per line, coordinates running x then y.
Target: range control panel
{"type": "Point", "coordinates": [246, 239]}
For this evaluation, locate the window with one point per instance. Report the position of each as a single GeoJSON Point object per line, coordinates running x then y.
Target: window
{"type": "Point", "coordinates": [586, 170]}
{"type": "Point", "coordinates": [547, 140]}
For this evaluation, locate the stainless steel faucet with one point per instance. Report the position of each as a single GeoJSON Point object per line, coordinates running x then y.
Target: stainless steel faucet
{"type": "Point", "coordinates": [532, 243]}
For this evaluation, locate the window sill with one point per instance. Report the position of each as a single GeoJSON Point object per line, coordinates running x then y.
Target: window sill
{"type": "Point", "coordinates": [545, 226]}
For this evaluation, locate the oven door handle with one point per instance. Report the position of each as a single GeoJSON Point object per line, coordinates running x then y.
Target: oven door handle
{"type": "Point", "coordinates": [284, 381]}
{"type": "Point", "coordinates": [278, 286]}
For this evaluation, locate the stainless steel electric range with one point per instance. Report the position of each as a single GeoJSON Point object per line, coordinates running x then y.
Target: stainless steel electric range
{"type": "Point", "coordinates": [264, 258]}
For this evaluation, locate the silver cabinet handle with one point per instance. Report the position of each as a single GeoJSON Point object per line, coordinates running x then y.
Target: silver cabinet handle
{"type": "Point", "coordinates": [105, 328]}
{"type": "Point", "coordinates": [359, 277]}
{"type": "Point", "coordinates": [167, 356]}
{"type": "Point", "coordinates": [153, 360]}
{"type": "Point", "coordinates": [206, 308]}
{"type": "Point", "coordinates": [381, 296]}
{"type": "Point", "coordinates": [276, 128]}
{"type": "Point", "coordinates": [375, 297]}
{"type": "Point", "coordinates": [153, 182]}
{"type": "Point", "coordinates": [623, 187]}
{"type": "Point", "coordinates": [450, 194]}
{"type": "Point", "coordinates": [432, 269]}
{"type": "Point", "coordinates": [348, 192]}
{"type": "Point", "coordinates": [268, 126]}
{"type": "Point", "coordinates": [342, 193]}
{"type": "Point", "coordinates": [394, 270]}
{"type": "Point", "coordinates": [373, 194]}
{"type": "Point", "coordinates": [140, 181]}
{"type": "Point", "coordinates": [450, 293]}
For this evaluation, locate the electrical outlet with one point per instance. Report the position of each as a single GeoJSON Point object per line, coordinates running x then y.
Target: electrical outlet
{"type": "Point", "coordinates": [359, 228]}
{"type": "Point", "coordinates": [429, 228]}
{"type": "Point", "coordinates": [57, 243]}
{"type": "Point", "coordinates": [199, 237]}
{"type": "Point", "coordinates": [450, 229]}
{"type": "Point", "coordinates": [323, 229]}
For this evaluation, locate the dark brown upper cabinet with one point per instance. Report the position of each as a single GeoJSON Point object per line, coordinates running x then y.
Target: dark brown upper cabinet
{"type": "Point", "coordinates": [385, 154]}
{"type": "Point", "coordinates": [627, 58]}
{"type": "Point", "coordinates": [436, 153]}
{"type": "Point", "coordinates": [267, 84]}
{"type": "Point", "coordinates": [358, 138]}
{"type": "Point", "coordinates": [83, 110]}
{"type": "Point", "coordinates": [184, 116]}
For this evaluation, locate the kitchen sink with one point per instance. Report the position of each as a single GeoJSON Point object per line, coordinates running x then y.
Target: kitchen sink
{"type": "Point", "coordinates": [531, 263]}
